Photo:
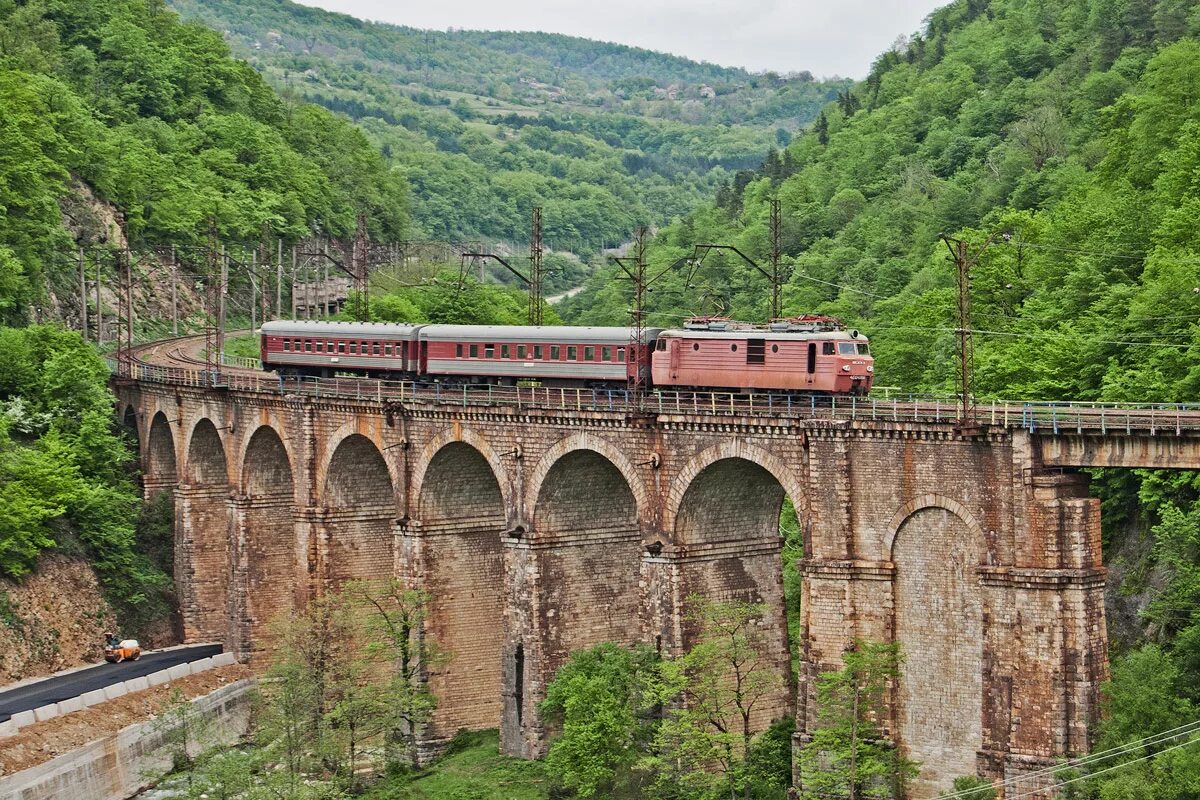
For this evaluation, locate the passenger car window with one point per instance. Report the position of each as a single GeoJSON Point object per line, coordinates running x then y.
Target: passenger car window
{"type": "Point", "coordinates": [520, 351]}
{"type": "Point", "coordinates": [606, 354]}
{"type": "Point", "coordinates": [555, 352]}
{"type": "Point", "coordinates": [537, 351]}
{"type": "Point", "coordinates": [589, 354]}
{"type": "Point", "coordinates": [572, 352]}
{"type": "Point", "coordinates": [474, 351]}
{"type": "Point", "coordinates": [504, 351]}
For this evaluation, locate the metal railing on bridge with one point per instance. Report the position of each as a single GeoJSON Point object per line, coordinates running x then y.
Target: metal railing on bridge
{"type": "Point", "coordinates": [1037, 417]}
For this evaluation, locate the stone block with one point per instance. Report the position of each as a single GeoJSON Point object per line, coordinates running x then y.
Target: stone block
{"type": "Point", "coordinates": [137, 684]}
{"type": "Point", "coordinates": [224, 660]}
{"type": "Point", "coordinates": [70, 705]}
{"type": "Point", "coordinates": [115, 691]}
{"type": "Point", "coordinates": [22, 718]}
{"type": "Point", "coordinates": [179, 671]}
{"type": "Point", "coordinates": [7, 728]}
{"type": "Point", "coordinates": [202, 665]}
{"type": "Point", "coordinates": [159, 678]}
{"type": "Point", "coordinates": [43, 713]}
{"type": "Point", "coordinates": [92, 698]}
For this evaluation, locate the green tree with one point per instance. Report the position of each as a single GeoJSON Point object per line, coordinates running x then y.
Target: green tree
{"type": "Point", "coordinates": [601, 703]}
{"type": "Point", "coordinates": [848, 755]}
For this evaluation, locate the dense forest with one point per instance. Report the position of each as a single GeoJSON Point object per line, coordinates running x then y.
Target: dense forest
{"type": "Point", "coordinates": [487, 125]}
{"type": "Point", "coordinates": [1061, 139]}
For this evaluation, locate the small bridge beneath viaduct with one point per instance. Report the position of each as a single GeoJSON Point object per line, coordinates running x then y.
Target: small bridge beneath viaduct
{"type": "Point", "coordinates": [544, 522]}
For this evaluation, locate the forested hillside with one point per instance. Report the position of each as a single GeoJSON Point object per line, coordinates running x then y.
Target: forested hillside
{"type": "Point", "coordinates": [1068, 132]}
{"type": "Point", "coordinates": [487, 125]}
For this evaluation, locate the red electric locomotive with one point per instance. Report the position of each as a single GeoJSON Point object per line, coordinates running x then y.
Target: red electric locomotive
{"type": "Point", "coordinates": [806, 354]}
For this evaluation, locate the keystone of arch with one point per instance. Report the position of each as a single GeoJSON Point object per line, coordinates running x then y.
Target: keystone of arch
{"type": "Point", "coordinates": [597, 444]}
{"type": "Point", "coordinates": [921, 503]}
{"type": "Point", "coordinates": [734, 448]}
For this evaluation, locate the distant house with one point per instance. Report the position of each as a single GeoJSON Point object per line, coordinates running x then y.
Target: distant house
{"type": "Point", "coordinates": [707, 92]}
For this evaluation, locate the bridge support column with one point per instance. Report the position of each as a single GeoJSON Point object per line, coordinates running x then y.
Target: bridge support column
{"type": "Point", "coordinates": [267, 575]}
{"type": "Point", "coordinates": [522, 682]}
{"type": "Point", "coordinates": [153, 486]}
{"type": "Point", "coordinates": [1047, 639]}
{"type": "Point", "coordinates": [202, 560]}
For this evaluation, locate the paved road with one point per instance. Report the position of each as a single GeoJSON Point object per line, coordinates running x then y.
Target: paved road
{"type": "Point", "coordinates": [52, 690]}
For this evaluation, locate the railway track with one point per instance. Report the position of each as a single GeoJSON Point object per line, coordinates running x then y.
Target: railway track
{"type": "Point", "coordinates": [177, 361]}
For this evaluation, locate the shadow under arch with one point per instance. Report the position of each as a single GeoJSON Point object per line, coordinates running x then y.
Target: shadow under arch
{"type": "Point", "coordinates": [590, 592]}
{"type": "Point", "coordinates": [161, 463]}
{"type": "Point", "coordinates": [727, 523]}
{"type": "Point", "coordinates": [270, 562]}
{"type": "Point", "coordinates": [202, 551]}
{"type": "Point", "coordinates": [938, 622]}
{"type": "Point", "coordinates": [360, 511]}
{"type": "Point", "coordinates": [461, 516]}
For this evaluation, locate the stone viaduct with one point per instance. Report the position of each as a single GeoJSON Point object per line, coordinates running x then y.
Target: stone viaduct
{"type": "Point", "coordinates": [538, 532]}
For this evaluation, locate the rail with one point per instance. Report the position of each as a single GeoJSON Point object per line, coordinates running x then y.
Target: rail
{"type": "Point", "coordinates": [1036, 417]}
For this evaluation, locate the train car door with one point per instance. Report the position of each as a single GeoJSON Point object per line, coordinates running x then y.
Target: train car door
{"type": "Point", "coordinates": [673, 350]}
{"type": "Point", "coordinates": [423, 362]}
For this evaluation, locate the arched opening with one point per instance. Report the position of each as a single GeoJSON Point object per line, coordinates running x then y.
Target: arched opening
{"type": "Point", "coordinates": [590, 576]}
{"type": "Point", "coordinates": [729, 523]}
{"type": "Point", "coordinates": [270, 560]}
{"type": "Point", "coordinates": [939, 625]}
{"type": "Point", "coordinates": [202, 557]}
{"type": "Point", "coordinates": [461, 511]}
{"type": "Point", "coordinates": [160, 454]}
{"type": "Point", "coordinates": [361, 503]}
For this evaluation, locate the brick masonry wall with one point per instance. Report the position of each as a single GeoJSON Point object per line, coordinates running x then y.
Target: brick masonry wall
{"type": "Point", "coordinates": [542, 532]}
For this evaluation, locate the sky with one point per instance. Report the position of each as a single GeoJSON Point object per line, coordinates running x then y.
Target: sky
{"type": "Point", "coordinates": [825, 37]}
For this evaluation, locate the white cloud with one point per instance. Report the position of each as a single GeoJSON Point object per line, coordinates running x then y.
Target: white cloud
{"type": "Point", "coordinates": [825, 37]}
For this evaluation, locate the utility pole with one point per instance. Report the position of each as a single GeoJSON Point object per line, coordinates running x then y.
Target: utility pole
{"type": "Point", "coordinates": [83, 315]}
{"type": "Point", "coordinates": [535, 269]}
{"type": "Point", "coordinates": [174, 293]}
{"type": "Point", "coordinates": [964, 261]}
{"type": "Point", "coordinates": [360, 267]}
{"type": "Point", "coordinates": [222, 289]}
{"type": "Point", "coordinates": [635, 270]}
{"type": "Point", "coordinates": [279, 279]}
{"type": "Point", "coordinates": [776, 278]}
{"type": "Point", "coordinates": [99, 308]}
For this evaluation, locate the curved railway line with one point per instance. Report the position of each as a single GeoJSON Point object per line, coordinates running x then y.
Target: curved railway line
{"type": "Point", "coordinates": [178, 361]}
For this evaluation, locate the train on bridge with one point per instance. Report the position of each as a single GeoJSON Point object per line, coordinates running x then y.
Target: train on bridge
{"type": "Point", "coordinates": [810, 354]}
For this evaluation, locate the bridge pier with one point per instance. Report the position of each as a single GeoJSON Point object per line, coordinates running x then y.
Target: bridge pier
{"type": "Point", "coordinates": [203, 560]}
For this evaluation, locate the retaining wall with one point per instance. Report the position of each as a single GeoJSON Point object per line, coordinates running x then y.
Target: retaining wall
{"type": "Point", "coordinates": [123, 764]}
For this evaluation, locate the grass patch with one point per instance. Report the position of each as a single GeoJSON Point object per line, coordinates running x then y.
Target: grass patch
{"type": "Point", "coordinates": [472, 769]}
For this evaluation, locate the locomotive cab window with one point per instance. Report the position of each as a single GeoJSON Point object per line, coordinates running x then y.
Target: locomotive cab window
{"type": "Point", "coordinates": [756, 351]}
{"type": "Point", "coordinates": [846, 348]}
{"type": "Point", "coordinates": [826, 348]}
{"type": "Point", "coordinates": [662, 345]}
{"type": "Point", "coordinates": [863, 349]}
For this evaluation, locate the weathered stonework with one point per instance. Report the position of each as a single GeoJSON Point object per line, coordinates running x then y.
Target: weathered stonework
{"type": "Point", "coordinates": [538, 533]}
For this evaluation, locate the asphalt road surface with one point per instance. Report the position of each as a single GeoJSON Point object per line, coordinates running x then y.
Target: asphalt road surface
{"type": "Point", "coordinates": [52, 690]}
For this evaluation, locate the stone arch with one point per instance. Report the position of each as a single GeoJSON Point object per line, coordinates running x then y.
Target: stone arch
{"type": "Point", "coordinates": [461, 514]}
{"type": "Point", "coordinates": [458, 434]}
{"type": "Point", "coordinates": [129, 421]}
{"type": "Point", "coordinates": [161, 463]}
{"type": "Point", "coordinates": [359, 496]}
{"type": "Point", "coordinates": [938, 621]}
{"type": "Point", "coordinates": [602, 447]}
{"type": "Point", "coordinates": [202, 549]}
{"type": "Point", "coordinates": [929, 501]}
{"type": "Point", "coordinates": [589, 593]}
{"type": "Point", "coordinates": [269, 562]}
{"type": "Point", "coordinates": [726, 522]}
{"type": "Point", "coordinates": [358, 431]}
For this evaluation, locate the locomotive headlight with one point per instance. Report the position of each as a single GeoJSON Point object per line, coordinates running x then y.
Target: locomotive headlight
{"type": "Point", "coordinates": [845, 367]}
{"type": "Point", "coordinates": [870, 369]}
